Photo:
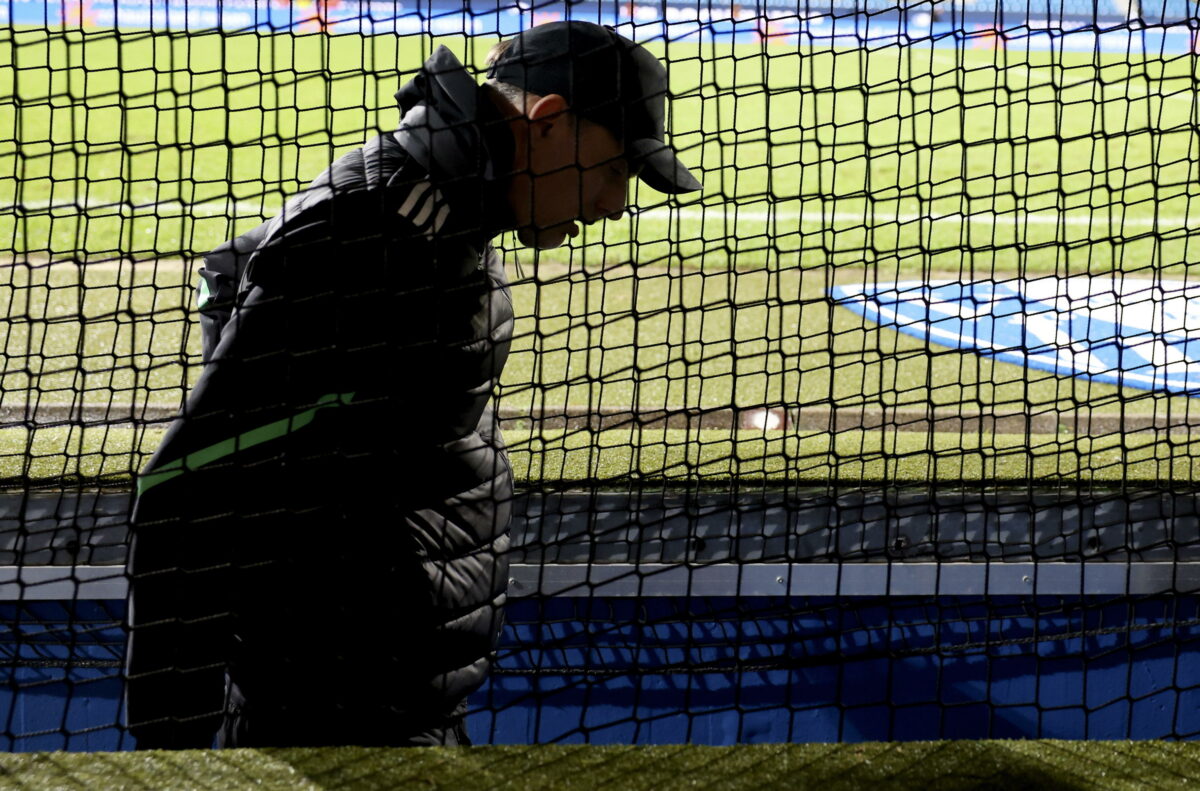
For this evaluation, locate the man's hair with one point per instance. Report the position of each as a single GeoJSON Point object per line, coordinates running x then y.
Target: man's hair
{"type": "Point", "coordinates": [498, 49]}
{"type": "Point", "coordinates": [519, 98]}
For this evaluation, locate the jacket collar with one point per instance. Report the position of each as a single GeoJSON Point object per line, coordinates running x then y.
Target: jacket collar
{"type": "Point", "coordinates": [455, 133]}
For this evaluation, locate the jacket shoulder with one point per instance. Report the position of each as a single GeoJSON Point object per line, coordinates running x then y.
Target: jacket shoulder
{"type": "Point", "coordinates": [377, 182]}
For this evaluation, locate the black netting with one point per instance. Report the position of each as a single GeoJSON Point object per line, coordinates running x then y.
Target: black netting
{"type": "Point", "coordinates": [597, 372]}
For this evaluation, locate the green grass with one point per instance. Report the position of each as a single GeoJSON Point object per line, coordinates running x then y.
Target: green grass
{"type": "Point", "coordinates": [708, 458]}
{"type": "Point", "coordinates": [923, 766]}
{"type": "Point", "coordinates": [651, 337]}
{"type": "Point", "coordinates": [721, 309]}
{"type": "Point", "coordinates": [876, 138]}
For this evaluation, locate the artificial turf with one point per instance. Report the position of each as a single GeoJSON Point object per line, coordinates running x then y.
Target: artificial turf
{"type": "Point", "coordinates": [924, 766]}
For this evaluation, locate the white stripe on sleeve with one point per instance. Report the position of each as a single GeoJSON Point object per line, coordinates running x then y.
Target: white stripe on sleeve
{"type": "Point", "coordinates": [410, 203]}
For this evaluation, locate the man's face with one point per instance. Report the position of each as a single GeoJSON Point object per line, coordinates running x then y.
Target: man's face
{"type": "Point", "coordinates": [577, 172]}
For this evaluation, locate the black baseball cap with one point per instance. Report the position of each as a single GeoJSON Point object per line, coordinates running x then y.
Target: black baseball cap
{"type": "Point", "coordinates": [607, 79]}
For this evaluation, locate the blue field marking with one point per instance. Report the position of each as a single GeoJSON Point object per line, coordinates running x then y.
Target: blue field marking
{"type": "Point", "coordinates": [1122, 331]}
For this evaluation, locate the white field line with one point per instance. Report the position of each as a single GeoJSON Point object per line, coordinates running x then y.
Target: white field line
{"type": "Point", "coordinates": [722, 213]}
{"type": "Point", "coordinates": [881, 218]}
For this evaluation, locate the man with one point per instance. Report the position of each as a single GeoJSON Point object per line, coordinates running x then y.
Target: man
{"type": "Point", "coordinates": [318, 544]}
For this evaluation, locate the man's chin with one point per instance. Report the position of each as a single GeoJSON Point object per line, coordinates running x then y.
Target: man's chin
{"type": "Point", "coordinates": [544, 239]}
{"type": "Point", "coordinates": [547, 238]}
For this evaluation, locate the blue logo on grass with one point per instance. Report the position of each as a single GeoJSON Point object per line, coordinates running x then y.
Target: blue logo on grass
{"type": "Point", "coordinates": [1113, 329]}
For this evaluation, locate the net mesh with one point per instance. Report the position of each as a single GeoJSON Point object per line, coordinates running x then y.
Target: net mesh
{"type": "Point", "coordinates": [884, 433]}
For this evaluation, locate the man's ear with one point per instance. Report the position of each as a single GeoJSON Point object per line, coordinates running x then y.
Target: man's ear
{"type": "Point", "coordinates": [547, 113]}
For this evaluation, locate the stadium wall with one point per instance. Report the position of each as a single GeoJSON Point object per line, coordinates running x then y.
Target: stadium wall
{"type": "Point", "coordinates": [589, 670]}
{"type": "Point", "coordinates": [1156, 26]}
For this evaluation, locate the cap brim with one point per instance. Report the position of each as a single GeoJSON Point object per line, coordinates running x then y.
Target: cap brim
{"type": "Point", "coordinates": [661, 169]}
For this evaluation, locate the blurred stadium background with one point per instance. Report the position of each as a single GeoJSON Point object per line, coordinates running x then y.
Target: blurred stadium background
{"type": "Point", "coordinates": [886, 435]}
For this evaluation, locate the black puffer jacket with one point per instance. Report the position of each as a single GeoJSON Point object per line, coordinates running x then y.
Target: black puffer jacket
{"type": "Point", "coordinates": [318, 552]}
